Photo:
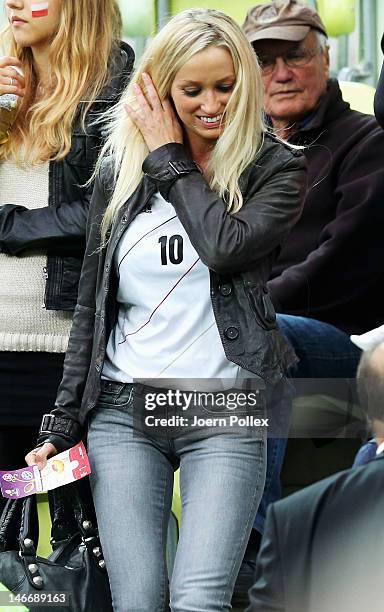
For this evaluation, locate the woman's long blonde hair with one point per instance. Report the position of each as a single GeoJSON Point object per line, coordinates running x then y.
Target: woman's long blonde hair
{"type": "Point", "coordinates": [180, 39]}
{"type": "Point", "coordinates": [79, 55]}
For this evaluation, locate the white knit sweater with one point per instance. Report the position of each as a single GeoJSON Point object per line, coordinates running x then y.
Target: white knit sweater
{"type": "Point", "coordinates": [25, 324]}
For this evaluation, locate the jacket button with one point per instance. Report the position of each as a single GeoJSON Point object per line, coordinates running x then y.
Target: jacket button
{"type": "Point", "coordinates": [232, 333]}
{"type": "Point", "coordinates": [226, 289]}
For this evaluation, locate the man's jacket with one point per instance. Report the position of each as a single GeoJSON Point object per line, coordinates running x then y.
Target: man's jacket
{"type": "Point", "coordinates": [331, 267]}
{"type": "Point", "coordinates": [238, 249]}
{"type": "Point", "coordinates": [59, 228]}
{"type": "Point", "coordinates": [322, 548]}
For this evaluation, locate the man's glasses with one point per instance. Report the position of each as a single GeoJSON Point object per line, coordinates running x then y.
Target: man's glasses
{"type": "Point", "coordinates": [293, 59]}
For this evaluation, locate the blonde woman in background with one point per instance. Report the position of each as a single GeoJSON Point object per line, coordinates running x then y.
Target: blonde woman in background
{"type": "Point", "coordinates": [191, 203]}
{"type": "Point", "coordinates": [73, 68]}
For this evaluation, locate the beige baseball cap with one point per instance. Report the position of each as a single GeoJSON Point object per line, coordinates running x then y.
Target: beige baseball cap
{"type": "Point", "coordinates": [281, 19]}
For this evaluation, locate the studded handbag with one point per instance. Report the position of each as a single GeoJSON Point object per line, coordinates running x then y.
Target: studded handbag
{"type": "Point", "coordinates": [74, 575]}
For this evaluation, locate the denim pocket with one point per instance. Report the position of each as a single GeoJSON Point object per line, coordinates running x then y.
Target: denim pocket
{"type": "Point", "coordinates": [115, 395]}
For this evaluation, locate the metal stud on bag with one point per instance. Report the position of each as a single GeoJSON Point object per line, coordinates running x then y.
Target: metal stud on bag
{"type": "Point", "coordinates": [102, 564]}
{"type": "Point", "coordinates": [97, 551]}
{"type": "Point", "coordinates": [38, 581]}
{"type": "Point", "coordinates": [33, 568]}
{"type": "Point", "coordinates": [87, 525]}
{"type": "Point", "coordinates": [28, 543]}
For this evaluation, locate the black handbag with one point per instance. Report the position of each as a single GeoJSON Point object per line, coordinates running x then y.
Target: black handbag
{"type": "Point", "coordinates": [74, 574]}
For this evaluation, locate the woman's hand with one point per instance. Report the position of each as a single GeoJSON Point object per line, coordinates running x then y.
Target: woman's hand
{"type": "Point", "coordinates": [155, 119]}
{"type": "Point", "coordinates": [11, 82]}
{"type": "Point", "coordinates": [39, 456]}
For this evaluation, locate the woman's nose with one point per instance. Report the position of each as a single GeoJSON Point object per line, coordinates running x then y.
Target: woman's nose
{"type": "Point", "coordinates": [211, 103]}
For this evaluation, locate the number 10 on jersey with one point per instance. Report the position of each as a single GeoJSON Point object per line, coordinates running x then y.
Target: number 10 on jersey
{"type": "Point", "coordinates": [171, 249]}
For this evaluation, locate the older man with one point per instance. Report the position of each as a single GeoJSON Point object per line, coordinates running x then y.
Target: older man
{"type": "Point", "coordinates": [323, 548]}
{"type": "Point", "coordinates": [326, 282]}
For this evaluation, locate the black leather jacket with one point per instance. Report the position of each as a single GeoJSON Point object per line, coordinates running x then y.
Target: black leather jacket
{"type": "Point", "coordinates": [238, 249]}
{"type": "Point", "coordinates": [59, 228]}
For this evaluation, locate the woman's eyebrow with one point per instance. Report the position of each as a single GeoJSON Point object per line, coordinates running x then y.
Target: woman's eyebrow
{"type": "Point", "coordinates": [189, 82]}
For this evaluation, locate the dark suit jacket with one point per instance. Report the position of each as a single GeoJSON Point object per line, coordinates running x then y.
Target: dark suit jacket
{"type": "Point", "coordinates": [379, 95]}
{"type": "Point", "coordinates": [323, 547]}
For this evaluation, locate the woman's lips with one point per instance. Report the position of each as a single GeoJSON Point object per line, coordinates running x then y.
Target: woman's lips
{"type": "Point", "coordinates": [211, 122]}
{"type": "Point", "coordinates": [17, 21]}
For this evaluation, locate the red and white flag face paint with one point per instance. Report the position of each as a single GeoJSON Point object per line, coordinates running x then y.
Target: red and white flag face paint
{"type": "Point", "coordinates": [40, 9]}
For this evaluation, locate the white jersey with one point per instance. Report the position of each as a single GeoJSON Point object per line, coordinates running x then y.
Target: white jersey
{"type": "Point", "coordinates": [166, 326]}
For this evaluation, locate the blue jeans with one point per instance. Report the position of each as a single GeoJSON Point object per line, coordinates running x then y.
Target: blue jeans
{"type": "Point", "coordinates": [324, 352]}
{"type": "Point", "coordinates": [279, 402]}
{"type": "Point", "coordinates": [221, 480]}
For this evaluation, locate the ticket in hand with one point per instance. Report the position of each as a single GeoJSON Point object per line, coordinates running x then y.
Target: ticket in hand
{"type": "Point", "coordinates": [61, 469]}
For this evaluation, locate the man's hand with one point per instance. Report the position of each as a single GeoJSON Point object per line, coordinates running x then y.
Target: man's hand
{"type": "Point", "coordinates": [155, 119]}
{"type": "Point", "coordinates": [39, 456]}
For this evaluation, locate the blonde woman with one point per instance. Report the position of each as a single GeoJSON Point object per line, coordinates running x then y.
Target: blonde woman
{"type": "Point", "coordinates": [191, 203]}
{"type": "Point", "coordinates": [66, 65]}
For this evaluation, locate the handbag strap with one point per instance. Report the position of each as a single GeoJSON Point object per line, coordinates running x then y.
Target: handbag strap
{"type": "Point", "coordinates": [10, 525]}
{"type": "Point", "coordinates": [19, 530]}
{"type": "Point", "coordinates": [19, 527]}
{"type": "Point", "coordinates": [29, 528]}
{"type": "Point", "coordinates": [72, 512]}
